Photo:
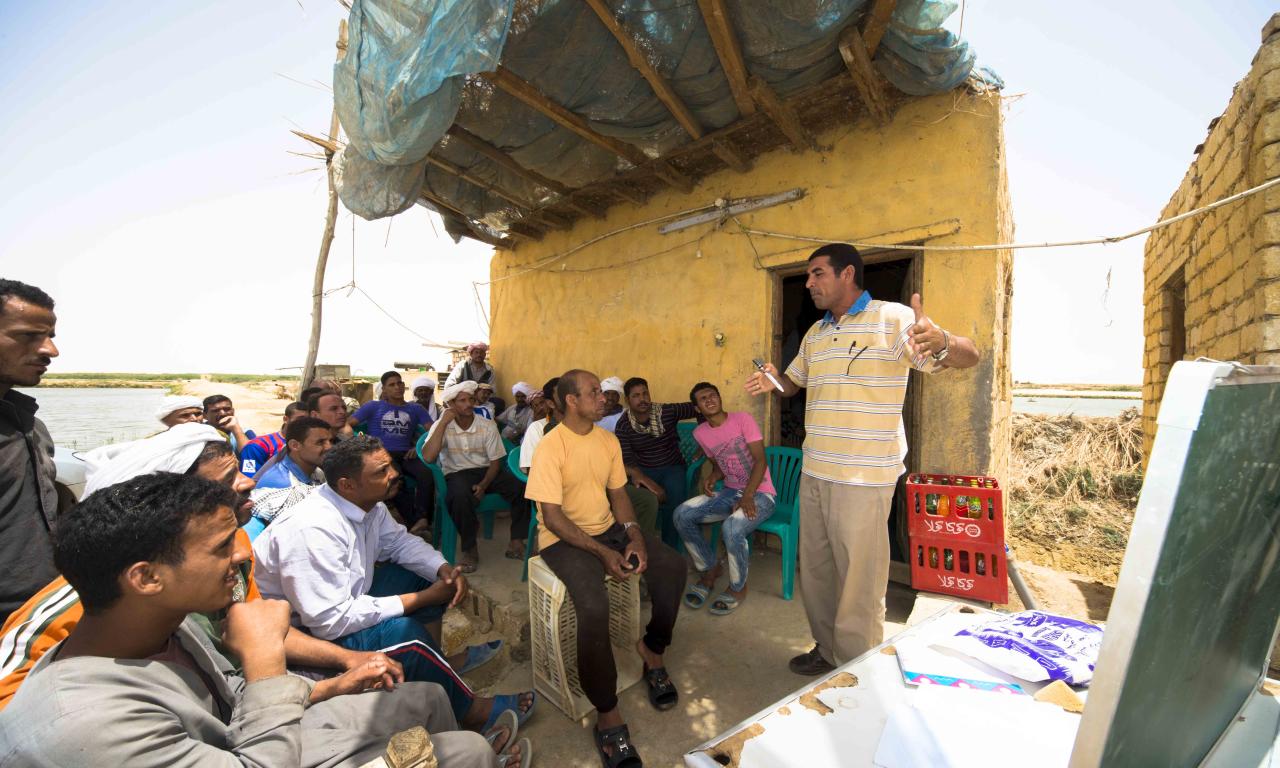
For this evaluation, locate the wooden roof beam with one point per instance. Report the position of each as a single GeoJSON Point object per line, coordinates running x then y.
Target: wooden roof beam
{"type": "Point", "coordinates": [782, 115]}
{"type": "Point", "coordinates": [523, 206]}
{"type": "Point", "coordinates": [857, 58]}
{"type": "Point", "coordinates": [731, 156]}
{"type": "Point", "coordinates": [452, 210]}
{"type": "Point", "coordinates": [504, 160]}
{"type": "Point", "coordinates": [528, 93]}
{"type": "Point", "coordinates": [661, 88]}
{"type": "Point", "coordinates": [876, 22]}
{"type": "Point", "coordinates": [725, 40]}
{"type": "Point", "coordinates": [501, 158]}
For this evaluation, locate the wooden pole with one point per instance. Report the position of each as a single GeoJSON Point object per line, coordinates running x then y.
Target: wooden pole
{"type": "Point", "coordinates": [326, 240]}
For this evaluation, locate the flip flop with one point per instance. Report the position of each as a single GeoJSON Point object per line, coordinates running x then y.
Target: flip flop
{"type": "Point", "coordinates": [662, 692]}
{"type": "Point", "coordinates": [526, 755]}
{"type": "Point", "coordinates": [696, 596]}
{"type": "Point", "coordinates": [724, 605]}
{"type": "Point", "coordinates": [507, 723]}
{"type": "Point", "coordinates": [479, 655]}
{"type": "Point", "coordinates": [509, 702]}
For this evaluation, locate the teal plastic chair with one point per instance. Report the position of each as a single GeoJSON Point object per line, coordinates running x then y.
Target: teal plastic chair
{"type": "Point", "coordinates": [784, 469]}
{"type": "Point", "coordinates": [513, 464]}
{"type": "Point", "coordinates": [444, 531]}
{"type": "Point", "coordinates": [689, 447]}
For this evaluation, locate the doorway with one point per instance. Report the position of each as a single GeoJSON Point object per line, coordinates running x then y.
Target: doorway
{"type": "Point", "coordinates": [890, 276]}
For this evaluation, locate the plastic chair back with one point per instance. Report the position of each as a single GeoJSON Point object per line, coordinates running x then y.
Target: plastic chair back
{"type": "Point", "coordinates": [784, 469]}
{"type": "Point", "coordinates": [689, 447]}
{"type": "Point", "coordinates": [513, 464]}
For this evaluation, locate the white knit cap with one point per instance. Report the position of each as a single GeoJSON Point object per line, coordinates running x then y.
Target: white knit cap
{"type": "Point", "coordinates": [612, 384]}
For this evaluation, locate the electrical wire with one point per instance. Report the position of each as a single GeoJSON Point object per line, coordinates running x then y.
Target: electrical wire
{"type": "Point", "coordinates": [542, 264]}
{"type": "Point", "coordinates": [1018, 246]}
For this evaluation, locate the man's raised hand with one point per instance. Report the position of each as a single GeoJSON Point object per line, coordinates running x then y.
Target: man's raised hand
{"type": "Point", "coordinates": [923, 338]}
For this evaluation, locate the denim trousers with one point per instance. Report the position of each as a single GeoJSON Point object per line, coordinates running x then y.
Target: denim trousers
{"type": "Point", "coordinates": [736, 530]}
{"type": "Point", "coordinates": [406, 639]}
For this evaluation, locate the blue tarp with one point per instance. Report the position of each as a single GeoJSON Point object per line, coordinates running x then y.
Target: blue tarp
{"type": "Point", "coordinates": [400, 86]}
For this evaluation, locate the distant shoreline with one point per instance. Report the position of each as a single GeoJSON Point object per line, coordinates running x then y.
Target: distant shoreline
{"type": "Point", "coordinates": [168, 381]}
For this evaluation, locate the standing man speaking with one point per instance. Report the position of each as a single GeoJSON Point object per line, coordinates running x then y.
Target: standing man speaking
{"type": "Point", "coordinates": [854, 364]}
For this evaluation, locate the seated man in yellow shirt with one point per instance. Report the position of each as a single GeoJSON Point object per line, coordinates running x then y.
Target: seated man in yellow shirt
{"type": "Point", "coordinates": [577, 476]}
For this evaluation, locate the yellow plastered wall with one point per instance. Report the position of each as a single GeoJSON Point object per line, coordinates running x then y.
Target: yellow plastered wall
{"type": "Point", "coordinates": [645, 304]}
{"type": "Point", "coordinates": [1222, 267]}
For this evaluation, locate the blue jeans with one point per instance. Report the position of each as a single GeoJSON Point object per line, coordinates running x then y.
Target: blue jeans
{"type": "Point", "coordinates": [691, 515]}
{"type": "Point", "coordinates": [406, 639]}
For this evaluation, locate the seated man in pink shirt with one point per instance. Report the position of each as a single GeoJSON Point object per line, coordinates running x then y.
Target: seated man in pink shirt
{"type": "Point", "coordinates": [735, 450]}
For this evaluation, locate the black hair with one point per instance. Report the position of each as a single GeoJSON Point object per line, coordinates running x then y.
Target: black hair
{"type": "Point", "coordinates": [693, 393]}
{"type": "Point", "coordinates": [346, 459]}
{"type": "Point", "coordinates": [549, 389]}
{"type": "Point", "coordinates": [213, 400]}
{"type": "Point", "coordinates": [313, 402]}
{"type": "Point", "coordinates": [388, 375]}
{"type": "Point", "coordinates": [631, 383]}
{"type": "Point", "coordinates": [568, 385]}
{"type": "Point", "coordinates": [139, 520]}
{"type": "Point", "coordinates": [310, 392]}
{"type": "Point", "coordinates": [12, 289]}
{"type": "Point", "coordinates": [214, 449]}
{"type": "Point", "coordinates": [841, 256]}
{"type": "Point", "coordinates": [298, 429]}
{"type": "Point", "coordinates": [293, 408]}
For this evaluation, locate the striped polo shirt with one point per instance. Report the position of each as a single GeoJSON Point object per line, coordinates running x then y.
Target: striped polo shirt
{"type": "Point", "coordinates": [855, 372]}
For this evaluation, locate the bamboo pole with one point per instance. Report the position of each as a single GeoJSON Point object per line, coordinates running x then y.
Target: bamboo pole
{"type": "Point", "coordinates": [326, 239]}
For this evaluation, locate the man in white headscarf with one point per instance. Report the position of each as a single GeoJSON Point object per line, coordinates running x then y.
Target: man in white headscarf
{"type": "Point", "coordinates": [180, 409]}
{"type": "Point", "coordinates": [173, 450]}
{"type": "Point", "coordinates": [613, 409]}
{"type": "Point", "coordinates": [473, 461]}
{"type": "Point", "coordinates": [423, 389]}
{"type": "Point", "coordinates": [515, 419]}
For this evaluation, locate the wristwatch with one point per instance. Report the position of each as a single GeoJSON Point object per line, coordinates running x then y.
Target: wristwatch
{"type": "Point", "coordinates": [941, 354]}
{"type": "Point", "coordinates": [626, 527]}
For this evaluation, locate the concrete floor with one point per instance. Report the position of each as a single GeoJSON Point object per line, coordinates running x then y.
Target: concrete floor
{"type": "Point", "coordinates": [727, 668]}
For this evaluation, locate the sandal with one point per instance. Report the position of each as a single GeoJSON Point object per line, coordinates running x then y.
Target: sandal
{"type": "Point", "coordinates": [662, 692]}
{"type": "Point", "coordinates": [509, 702]}
{"type": "Point", "coordinates": [514, 551]}
{"type": "Point", "coordinates": [526, 755]}
{"type": "Point", "coordinates": [504, 728]}
{"type": "Point", "coordinates": [696, 596]}
{"type": "Point", "coordinates": [468, 561]}
{"type": "Point", "coordinates": [479, 655]}
{"type": "Point", "coordinates": [724, 604]}
{"type": "Point", "coordinates": [622, 753]}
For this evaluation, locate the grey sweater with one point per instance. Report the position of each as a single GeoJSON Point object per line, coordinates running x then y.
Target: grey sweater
{"type": "Point", "coordinates": [94, 711]}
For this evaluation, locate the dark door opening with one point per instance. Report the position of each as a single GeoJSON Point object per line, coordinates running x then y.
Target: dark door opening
{"type": "Point", "coordinates": [892, 277]}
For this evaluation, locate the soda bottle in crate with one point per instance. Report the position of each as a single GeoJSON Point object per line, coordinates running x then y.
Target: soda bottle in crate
{"type": "Point", "coordinates": [957, 536]}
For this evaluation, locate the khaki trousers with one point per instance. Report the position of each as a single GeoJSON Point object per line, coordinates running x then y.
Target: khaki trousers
{"type": "Point", "coordinates": [844, 565]}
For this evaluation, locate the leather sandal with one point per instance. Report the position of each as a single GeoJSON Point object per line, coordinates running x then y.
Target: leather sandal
{"type": "Point", "coordinates": [662, 692]}
{"type": "Point", "coordinates": [621, 752]}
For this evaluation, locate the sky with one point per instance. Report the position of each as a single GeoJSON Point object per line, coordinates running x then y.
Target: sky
{"type": "Point", "coordinates": [150, 184]}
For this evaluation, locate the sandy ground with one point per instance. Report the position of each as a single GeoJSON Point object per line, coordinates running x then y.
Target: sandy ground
{"type": "Point", "coordinates": [259, 407]}
{"type": "Point", "coordinates": [727, 668]}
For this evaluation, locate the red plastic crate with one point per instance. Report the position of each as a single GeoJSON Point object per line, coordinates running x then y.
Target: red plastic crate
{"type": "Point", "coordinates": [954, 551]}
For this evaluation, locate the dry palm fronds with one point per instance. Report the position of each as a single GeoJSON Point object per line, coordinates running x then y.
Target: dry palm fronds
{"type": "Point", "coordinates": [1075, 481]}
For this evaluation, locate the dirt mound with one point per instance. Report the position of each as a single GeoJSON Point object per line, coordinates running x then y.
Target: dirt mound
{"type": "Point", "coordinates": [1073, 487]}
